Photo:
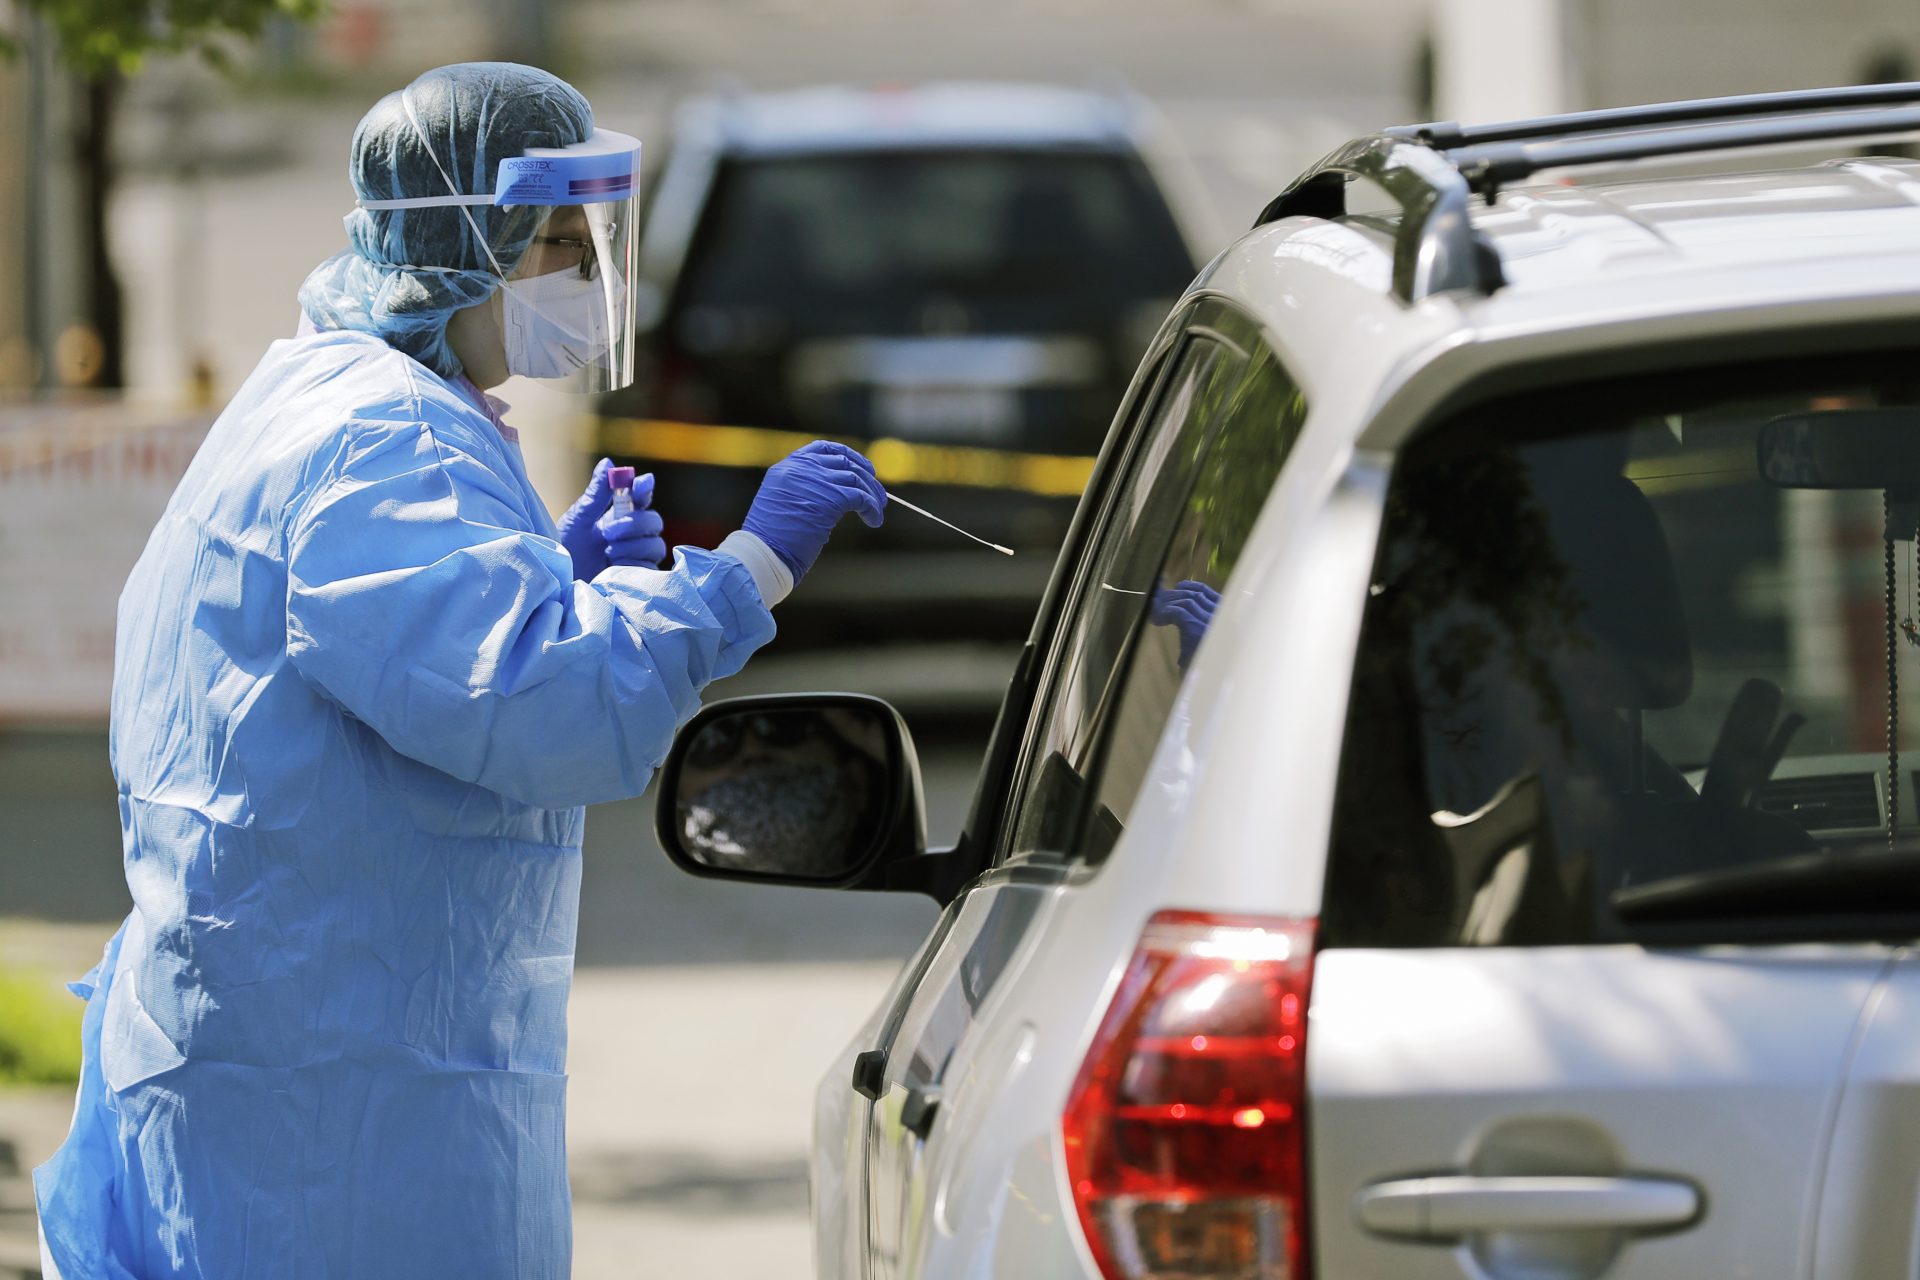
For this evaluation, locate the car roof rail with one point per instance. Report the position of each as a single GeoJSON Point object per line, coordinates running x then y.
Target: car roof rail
{"type": "Point", "coordinates": [1488, 167]}
{"type": "Point", "coordinates": [1431, 170]}
{"type": "Point", "coordinates": [1436, 248]}
{"type": "Point", "coordinates": [1445, 135]}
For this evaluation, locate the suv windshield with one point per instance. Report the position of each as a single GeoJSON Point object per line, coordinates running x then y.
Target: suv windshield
{"type": "Point", "coordinates": [1616, 678]}
{"type": "Point", "coordinates": [865, 243]}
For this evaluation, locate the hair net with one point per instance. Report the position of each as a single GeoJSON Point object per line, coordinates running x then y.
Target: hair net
{"type": "Point", "coordinates": [409, 270]}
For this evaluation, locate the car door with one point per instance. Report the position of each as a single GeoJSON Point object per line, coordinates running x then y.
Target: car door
{"type": "Point", "coordinates": [1584, 998]}
{"type": "Point", "coordinates": [943, 1014]}
{"type": "Point", "coordinates": [845, 1108]}
{"type": "Point", "coordinates": [1869, 1225]}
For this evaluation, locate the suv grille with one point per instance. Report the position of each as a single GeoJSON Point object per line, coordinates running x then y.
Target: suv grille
{"type": "Point", "coordinates": [1824, 802]}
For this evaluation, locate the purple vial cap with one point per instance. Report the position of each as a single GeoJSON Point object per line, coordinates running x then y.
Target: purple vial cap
{"type": "Point", "coordinates": [620, 477]}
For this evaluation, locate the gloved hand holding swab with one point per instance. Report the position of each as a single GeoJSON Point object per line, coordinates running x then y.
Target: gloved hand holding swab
{"type": "Point", "coordinates": [894, 497]}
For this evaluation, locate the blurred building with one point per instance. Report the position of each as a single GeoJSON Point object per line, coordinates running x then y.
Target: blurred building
{"type": "Point", "coordinates": [1650, 50]}
{"type": "Point", "coordinates": [1501, 59]}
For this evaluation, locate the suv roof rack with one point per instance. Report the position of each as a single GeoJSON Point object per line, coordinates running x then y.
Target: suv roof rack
{"type": "Point", "coordinates": [1430, 170]}
{"type": "Point", "coordinates": [1492, 165]}
{"type": "Point", "coordinates": [1436, 249]}
{"type": "Point", "coordinates": [1445, 135]}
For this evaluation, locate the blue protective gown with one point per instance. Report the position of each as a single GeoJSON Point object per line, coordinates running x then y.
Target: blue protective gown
{"type": "Point", "coordinates": [358, 702]}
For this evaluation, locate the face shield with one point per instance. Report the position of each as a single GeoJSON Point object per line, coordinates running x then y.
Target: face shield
{"type": "Point", "coordinates": [566, 309]}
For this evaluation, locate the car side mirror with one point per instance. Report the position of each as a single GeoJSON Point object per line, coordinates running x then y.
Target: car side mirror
{"type": "Point", "coordinates": [815, 789]}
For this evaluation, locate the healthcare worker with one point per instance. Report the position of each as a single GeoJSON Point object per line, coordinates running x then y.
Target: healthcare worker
{"type": "Point", "coordinates": [363, 686]}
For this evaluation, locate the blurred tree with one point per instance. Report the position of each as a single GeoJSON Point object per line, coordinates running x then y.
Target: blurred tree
{"type": "Point", "coordinates": [102, 42]}
{"type": "Point", "coordinates": [1261, 421]}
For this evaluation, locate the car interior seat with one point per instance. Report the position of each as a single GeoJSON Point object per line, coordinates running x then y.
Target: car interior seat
{"type": "Point", "coordinates": [1607, 810]}
{"type": "Point", "coordinates": [1603, 640]}
{"type": "Point", "coordinates": [1529, 619]}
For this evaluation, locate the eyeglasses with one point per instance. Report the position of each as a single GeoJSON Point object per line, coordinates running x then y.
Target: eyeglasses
{"type": "Point", "coordinates": [589, 258]}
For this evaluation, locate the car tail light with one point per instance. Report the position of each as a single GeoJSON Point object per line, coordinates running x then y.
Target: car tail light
{"type": "Point", "coordinates": [1184, 1133]}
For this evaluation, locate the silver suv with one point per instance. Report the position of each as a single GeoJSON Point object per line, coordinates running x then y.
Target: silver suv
{"type": "Point", "coordinates": [1455, 815]}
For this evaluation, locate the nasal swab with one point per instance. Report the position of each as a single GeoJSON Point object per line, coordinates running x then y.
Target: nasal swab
{"type": "Point", "coordinates": [1125, 591]}
{"type": "Point", "coordinates": [894, 497]}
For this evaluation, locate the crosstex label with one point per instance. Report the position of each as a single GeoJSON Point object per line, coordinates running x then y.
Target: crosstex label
{"type": "Point", "coordinates": [571, 176]}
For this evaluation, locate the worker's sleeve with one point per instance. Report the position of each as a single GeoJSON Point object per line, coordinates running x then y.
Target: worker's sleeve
{"type": "Point", "coordinates": [418, 600]}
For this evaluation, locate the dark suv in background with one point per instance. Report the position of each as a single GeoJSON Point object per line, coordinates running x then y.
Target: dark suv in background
{"type": "Point", "coordinates": [957, 278]}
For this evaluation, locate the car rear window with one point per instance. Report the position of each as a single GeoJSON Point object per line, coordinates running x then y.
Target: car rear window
{"type": "Point", "coordinates": [1019, 241]}
{"type": "Point", "coordinates": [1624, 672]}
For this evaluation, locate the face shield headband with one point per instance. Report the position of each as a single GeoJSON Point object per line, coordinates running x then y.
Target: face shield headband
{"type": "Point", "coordinates": [571, 323]}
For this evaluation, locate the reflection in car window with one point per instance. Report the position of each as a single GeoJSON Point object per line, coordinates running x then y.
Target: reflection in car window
{"type": "Point", "coordinates": [1218, 444]}
{"type": "Point", "coordinates": [1613, 679]}
{"type": "Point", "coordinates": [1257, 430]}
{"type": "Point", "coordinates": [1112, 594]}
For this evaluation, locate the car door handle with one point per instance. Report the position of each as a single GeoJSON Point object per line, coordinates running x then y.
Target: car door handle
{"type": "Point", "coordinates": [1448, 1206]}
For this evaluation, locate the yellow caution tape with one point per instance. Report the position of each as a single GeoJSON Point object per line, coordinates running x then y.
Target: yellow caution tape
{"type": "Point", "coordinates": [895, 461]}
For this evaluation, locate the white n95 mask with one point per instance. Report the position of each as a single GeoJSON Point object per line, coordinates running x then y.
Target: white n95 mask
{"type": "Point", "coordinates": [558, 323]}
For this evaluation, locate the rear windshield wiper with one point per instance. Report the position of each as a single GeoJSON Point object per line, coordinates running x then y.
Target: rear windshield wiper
{"type": "Point", "coordinates": [1879, 883]}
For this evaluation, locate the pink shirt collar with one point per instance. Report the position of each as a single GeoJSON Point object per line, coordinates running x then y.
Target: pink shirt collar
{"type": "Point", "coordinates": [493, 406]}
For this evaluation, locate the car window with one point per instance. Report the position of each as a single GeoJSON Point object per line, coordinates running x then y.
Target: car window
{"type": "Point", "coordinates": [890, 242]}
{"type": "Point", "coordinates": [1621, 677]}
{"type": "Point", "coordinates": [1110, 593]}
{"type": "Point", "coordinates": [1177, 522]}
{"type": "Point", "coordinates": [1256, 432]}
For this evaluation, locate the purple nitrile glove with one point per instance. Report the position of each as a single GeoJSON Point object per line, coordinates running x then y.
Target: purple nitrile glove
{"type": "Point", "coordinates": [634, 540]}
{"type": "Point", "coordinates": [579, 531]}
{"type": "Point", "coordinates": [1187, 606]}
{"type": "Point", "coordinates": [804, 496]}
